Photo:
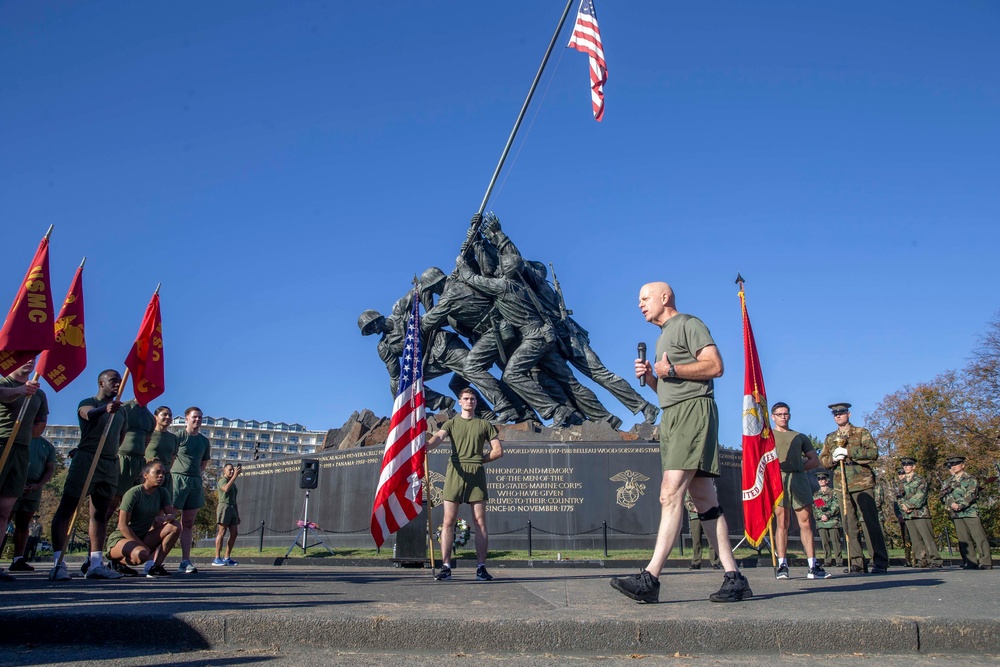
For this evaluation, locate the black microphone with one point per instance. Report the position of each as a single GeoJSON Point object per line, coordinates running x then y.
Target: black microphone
{"type": "Point", "coordinates": [641, 347]}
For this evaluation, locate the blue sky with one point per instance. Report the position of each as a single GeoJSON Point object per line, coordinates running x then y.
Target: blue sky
{"type": "Point", "coordinates": [280, 167]}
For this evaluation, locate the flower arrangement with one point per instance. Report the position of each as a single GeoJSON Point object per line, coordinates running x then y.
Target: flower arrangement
{"type": "Point", "coordinates": [462, 533]}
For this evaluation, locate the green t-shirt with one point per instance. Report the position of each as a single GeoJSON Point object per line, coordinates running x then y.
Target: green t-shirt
{"type": "Point", "coordinates": [90, 432]}
{"type": "Point", "coordinates": [37, 412]}
{"type": "Point", "coordinates": [139, 423]}
{"type": "Point", "coordinates": [191, 451]}
{"type": "Point", "coordinates": [143, 507]}
{"type": "Point", "coordinates": [162, 447]}
{"type": "Point", "coordinates": [468, 436]}
{"type": "Point", "coordinates": [41, 453]}
{"type": "Point", "coordinates": [226, 497]}
{"type": "Point", "coordinates": [681, 337]}
{"type": "Point", "coordinates": [790, 446]}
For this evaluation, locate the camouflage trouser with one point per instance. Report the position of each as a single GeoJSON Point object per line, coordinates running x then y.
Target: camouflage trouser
{"type": "Point", "coordinates": [922, 541]}
{"type": "Point", "coordinates": [830, 540]}
{"type": "Point", "coordinates": [971, 539]}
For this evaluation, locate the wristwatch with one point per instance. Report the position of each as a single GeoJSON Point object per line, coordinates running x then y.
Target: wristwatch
{"type": "Point", "coordinates": [671, 373]}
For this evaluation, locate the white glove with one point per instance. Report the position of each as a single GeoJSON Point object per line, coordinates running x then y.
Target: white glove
{"type": "Point", "coordinates": [839, 454]}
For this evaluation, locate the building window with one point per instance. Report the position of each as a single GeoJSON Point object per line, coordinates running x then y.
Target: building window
{"type": "Point", "coordinates": [266, 437]}
{"type": "Point", "coordinates": [294, 439]}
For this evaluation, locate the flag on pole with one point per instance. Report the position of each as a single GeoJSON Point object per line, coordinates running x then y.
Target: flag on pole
{"type": "Point", "coordinates": [68, 356]}
{"type": "Point", "coordinates": [28, 327]}
{"type": "Point", "coordinates": [587, 39]}
{"type": "Point", "coordinates": [145, 360]}
{"type": "Point", "coordinates": [762, 486]}
{"type": "Point", "coordinates": [399, 496]}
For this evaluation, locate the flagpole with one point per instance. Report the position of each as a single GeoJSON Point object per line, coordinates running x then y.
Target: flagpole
{"type": "Point", "coordinates": [93, 468]}
{"type": "Point", "coordinates": [524, 107]}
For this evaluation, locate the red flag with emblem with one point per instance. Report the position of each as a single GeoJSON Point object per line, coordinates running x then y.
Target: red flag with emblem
{"type": "Point", "coordinates": [68, 357]}
{"type": "Point", "coordinates": [145, 360]}
{"type": "Point", "coordinates": [762, 487]}
{"type": "Point", "coordinates": [28, 327]}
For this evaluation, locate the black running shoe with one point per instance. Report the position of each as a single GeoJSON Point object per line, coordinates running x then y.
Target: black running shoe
{"type": "Point", "coordinates": [156, 572]}
{"type": "Point", "coordinates": [21, 565]}
{"type": "Point", "coordinates": [642, 587]}
{"type": "Point", "coordinates": [124, 569]}
{"type": "Point", "coordinates": [782, 572]}
{"type": "Point", "coordinates": [735, 588]}
{"type": "Point", "coordinates": [482, 574]}
{"type": "Point", "coordinates": [444, 574]}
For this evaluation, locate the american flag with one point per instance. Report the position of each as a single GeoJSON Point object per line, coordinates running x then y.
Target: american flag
{"type": "Point", "coordinates": [399, 496]}
{"type": "Point", "coordinates": [587, 39]}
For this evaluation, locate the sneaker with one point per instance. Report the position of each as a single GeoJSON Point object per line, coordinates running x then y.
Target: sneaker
{"type": "Point", "coordinates": [782, 572]}
{"type": "Point", "coordinates": [482, 574]}
{"type": "Point", "coordinates": [444, 574]}
{"type": "Point", "coordinates": [735, 588]}
{"type": "Point", "coordinates": [123, 569]}
{"type": "Point", "coordinates": [817, 572]}
{"type": "Point", "coordinates": [219, 562]}
{"type": "Point", "coordinates": [231, 563]}
{"type": "Point", "coordinates": [694, 566]}
{"type": "Point", "coordinates": [4, 577]}
{"type": "Point", "coordinates": [21, 565]}
{"type": "Point", "coordinates": [102, 572]}
{"type": "Point", "coordinates": [156, 572]}
{"type": "Point", "coordinates": [59, 573]}
{"type": "Point", "coordinates": [187, 567]}
{"type": "Point", "coordinates": [641, 587]}
{"type": "Point", "coordinates": [84, 566]}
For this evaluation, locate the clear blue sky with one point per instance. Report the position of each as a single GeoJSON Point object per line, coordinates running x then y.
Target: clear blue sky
{"type": "Point", "coordinates": [281, 167]}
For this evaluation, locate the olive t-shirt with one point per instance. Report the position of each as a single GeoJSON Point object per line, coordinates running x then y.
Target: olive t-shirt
{"type": "Point", "coordinates": [681, 337]}
{"type": "Point", "coordinates": [191, 451]}
{"type": "Point", "coordinates": [38, 411]}
{"type": "Point", "coordinates": [41, 453]}
{"type": "Point", "coordinates": [226, 497]}
{"type": "Point", "coordinates": [139, 423]}
{"type": "Point", "coordinates": [790, 446]}
{"type": "Point", "coordinates": [90, 432]}
{"type": "Point", "coordinates": [162, 447]}
{"type": "Point", "coordinates": [468, 437]}
{"type": "Point", "coordinates": [143, 507]}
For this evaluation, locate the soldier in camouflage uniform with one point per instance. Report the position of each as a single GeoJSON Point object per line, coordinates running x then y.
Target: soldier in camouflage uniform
{"type": "Point", "coordinates": [912, 501]}
{"type": "Point", "coordinates": [694, 524]}
{"type": "Point", "coordinates": [907, 541]}
{"type": "Point", "coordinates": [852, 449]}
{"type": "Point", "coordinates": [959, 496]}
{"type": "Point", "coordinates": [826, 512]}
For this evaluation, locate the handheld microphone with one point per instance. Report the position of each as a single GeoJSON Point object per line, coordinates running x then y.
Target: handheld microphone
{"type": "Point", "coordinates": [641, 347]}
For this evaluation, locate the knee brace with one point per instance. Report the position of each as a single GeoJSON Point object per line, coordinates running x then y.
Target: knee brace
{"type": "Point", "coordinates": [710, 515]}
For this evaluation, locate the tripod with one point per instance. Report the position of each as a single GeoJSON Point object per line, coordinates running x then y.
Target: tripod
{"type": "Point", "coordinates": [302, 539]}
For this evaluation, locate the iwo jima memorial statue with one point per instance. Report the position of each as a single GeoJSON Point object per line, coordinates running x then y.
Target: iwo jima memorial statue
{"type": "Point", "coordinates": [579, 483]}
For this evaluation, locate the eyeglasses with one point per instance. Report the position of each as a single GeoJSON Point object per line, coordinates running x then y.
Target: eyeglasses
{"type": "Point", "coordinates": [782, 414]}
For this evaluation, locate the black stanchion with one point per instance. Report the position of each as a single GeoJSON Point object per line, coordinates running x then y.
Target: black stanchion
{"type": "Point", "coordinates": [605, 538]}
{"type": "Point", "coordinates": [260, 549]}
{"type": "Point", "coordinates": [529, 538]}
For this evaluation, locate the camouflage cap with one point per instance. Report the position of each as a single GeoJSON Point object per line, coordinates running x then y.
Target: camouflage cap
{"type": "Point", "coordinates": [908, 461]}
{"type": "Point", "coordinates": [954, 460]}
{"type": "Point", "coordinates": [839, 408]}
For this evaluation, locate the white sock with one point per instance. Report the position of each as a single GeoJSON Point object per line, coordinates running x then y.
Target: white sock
{"type": "Point", "coordinates": [782, 561]}
{"type": "Point", "coordinates": [95, 558]}
{"type": "Point", "coordinates": [55, 556]}
{"type": "Point", "coordinates": [16, 558]}
{"type": "Point", "coordinates": [812, 563]}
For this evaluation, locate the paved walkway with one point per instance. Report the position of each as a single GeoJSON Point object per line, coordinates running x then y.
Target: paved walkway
{"type": "Point", "coordinates": [566, 608]}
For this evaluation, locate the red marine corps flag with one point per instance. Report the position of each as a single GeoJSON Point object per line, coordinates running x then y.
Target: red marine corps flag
{"type": "Point", "coordinates": [145, 360]}
{"type": "Point", "coordinates": [68, 357]}
{"type": "Point", "coordinates": [28, 327]}
{"type": "Point", "coordinates": [761, 475]}
{"type": "Point", "coordinates": [399, 496]}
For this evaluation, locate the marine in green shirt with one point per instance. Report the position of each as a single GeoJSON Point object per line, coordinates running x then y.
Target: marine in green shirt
{"type": "Point", "coordinates": [147, 525]}
{"type": "Point", "coordinates": [193, 455]}
{"type": "Point", "coordinates": [139, 426]}
{"type": "Point", "coordinates": [228, 514]}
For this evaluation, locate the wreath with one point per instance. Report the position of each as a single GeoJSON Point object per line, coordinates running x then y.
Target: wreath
{"type": "Point", "coordinates": [462, 533]}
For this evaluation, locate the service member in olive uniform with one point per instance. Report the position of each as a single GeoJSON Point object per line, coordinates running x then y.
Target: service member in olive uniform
{"type": "Point", "coordinates": [227, 514]}
{"type": "Point", "coordinates": [913, 504]}
{"type": "Point", "coordinates": [97, 415]}
{"type": "Point", "coordinates": [959, 496]}
{"type": "Point", "coordinates": [147, 524]}
{"type": "Point", "coordinates": [694, 523]}
{"type": "Point", "coordinates": [193, 454]}
{"type": "Point", "coordinates": [854, 448]}
{"type": "Point", "coordinates": [41, 467]}
{"type": "Point", "coordinates": [465, 480]}
{"type": "Point", "coordinates": [139, 426]}
{"type": "Point", "coordinates": [15, 389]}
{"type": "Point", "coordinates": [826, 513]}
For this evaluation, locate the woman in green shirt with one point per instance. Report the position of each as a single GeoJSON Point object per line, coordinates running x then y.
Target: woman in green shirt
{"type": "Point", "coordinates": [147, 524]}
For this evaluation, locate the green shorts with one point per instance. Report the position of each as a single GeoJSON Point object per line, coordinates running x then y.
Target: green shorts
{"type": "Point", "coordinates": [15, 472]}
{"type": "Point", "coordinates": [129, 470]}
{"type": "Point", "coordinates": [689, 437]}
{"type": "Point", "coordinates": [189, 493]}
{"type": "Point", "coordinates": [227, 515]}
{"type": "Point", "coordinates": [104, 483]}
{"type": "Point", "coordinates": [29, 503]}
{"type": "Point", "coordinates": [798, 490]}
{"type": "Point", "coordinates": [465, 483]}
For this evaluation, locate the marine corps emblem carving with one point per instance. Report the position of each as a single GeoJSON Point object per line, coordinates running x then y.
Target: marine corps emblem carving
{"type": "Point", "coordinates": [629, 493]}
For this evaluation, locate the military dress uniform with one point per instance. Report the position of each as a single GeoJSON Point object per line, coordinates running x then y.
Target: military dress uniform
{"type": "Point", "coordinates": [861, 453]}
{"type": "Point", "coordinates": [912, 501]}
{"type": "Point", "coordinates": [963, 490]}
{"type": "Point", "coordinates": [825, 503]}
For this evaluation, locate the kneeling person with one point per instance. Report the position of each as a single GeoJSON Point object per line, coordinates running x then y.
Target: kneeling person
{"type": "Point", "coordinates": [147, 523]}
{"type": "Point", "coordinates": [465, 481]}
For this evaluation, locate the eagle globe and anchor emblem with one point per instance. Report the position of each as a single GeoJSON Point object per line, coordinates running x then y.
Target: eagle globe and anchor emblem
{"type": "Point", "coordinates": [629, 493]}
